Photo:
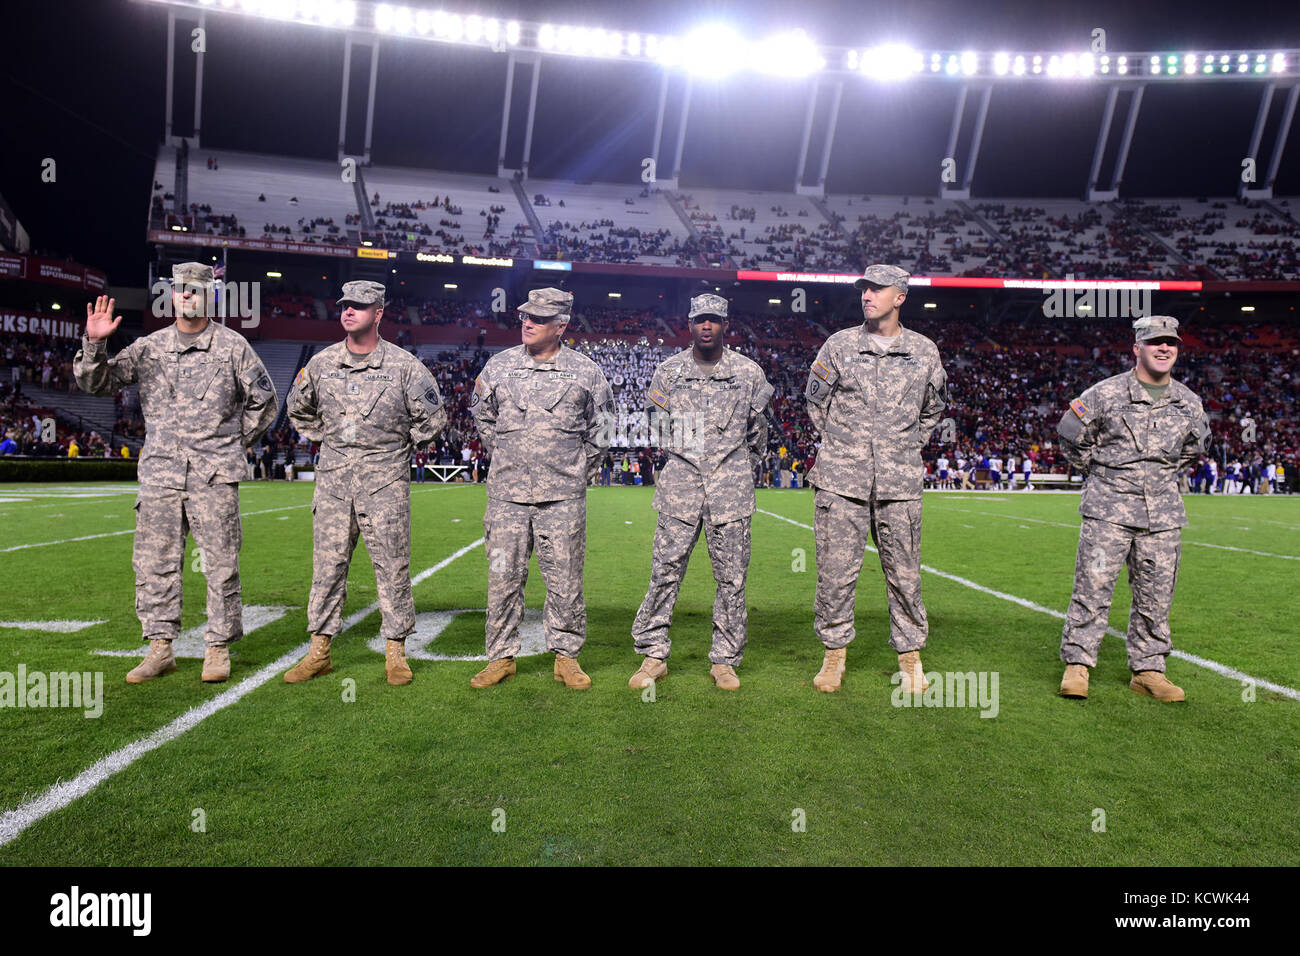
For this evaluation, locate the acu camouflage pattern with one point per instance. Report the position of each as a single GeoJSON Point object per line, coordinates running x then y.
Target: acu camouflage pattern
{"type": "Point", "coordinates": [1152, 558]}
{"type": "Point", "coordinates": [1132, 450]}
{"type": "Point", "coordinates": [558, 530]}
{"type": "Point", "coordinates": [840, 529]}
{"type": "Point", "coordinates": [363, 292]}
{"type": "Point", "coordinates": [711, 461]}
{"type": "Point", "coordinates": [369, 415]}
{"type": "Point", "coordinates": [882, 275]}
{"type": "Point", "coordinates": [708, 482]}
{"type": "Point", "coordinates": [729, 548]}
{"type": "Point", "coordinates": [546, 424]}
{"type": "Point", "coordinates": [875, 411]}
{"type": "Point", "coordinates": [203, 404]}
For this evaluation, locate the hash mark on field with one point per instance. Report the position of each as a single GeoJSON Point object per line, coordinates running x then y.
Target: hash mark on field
{"type": "Point", "coordinates": [113, 534]}
{"type": "Point", "coordinates": [1023, 602]}
{"type": "Point", "coordinates": [14, 822]}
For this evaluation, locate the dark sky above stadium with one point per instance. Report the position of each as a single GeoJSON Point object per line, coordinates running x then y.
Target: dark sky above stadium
{"type": "Point", "coordinates": [83, 82]}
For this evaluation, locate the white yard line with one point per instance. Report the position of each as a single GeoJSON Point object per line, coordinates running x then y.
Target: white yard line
{"type": "Point", "coordinates": [1060, 524]}
{"type": "Point", "coordinates": [1023, 602]}
{"type": "Point", "coordinates": [14, 822]}
{"type": "Point", "coordinates": [113, 534]}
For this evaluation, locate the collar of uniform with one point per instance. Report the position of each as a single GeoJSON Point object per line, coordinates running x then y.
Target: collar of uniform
{"type": "Point", "coordinates": [374, 360]}
{"type": "Point", "coordinates": [726, 367]}
{"type": "Point", "coordinates": [901, 346]}
{"type": "Point", "coordinates": [1137, 393]}
{"type": "Point", "coordinates": [552, 363]}
{"type": "Point", "coordinates": [203, 342]}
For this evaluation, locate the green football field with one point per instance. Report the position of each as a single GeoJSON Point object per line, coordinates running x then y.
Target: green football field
{"type": "Point", "coordinates": [347, 770]}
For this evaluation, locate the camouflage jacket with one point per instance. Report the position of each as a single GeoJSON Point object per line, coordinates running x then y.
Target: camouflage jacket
{"type": "Point", "coordinates": [713, 428]}
{"type": "Point", "coordinates": [1133, 449]}
{"type": "Point", "coordinates": [546, 424]}
{"type": "Point", "coordinates": [875, 411]}
{"type": "Point", "coordinates": [369, 415]}
{"type": "Point", "coordinates": [202, 403]}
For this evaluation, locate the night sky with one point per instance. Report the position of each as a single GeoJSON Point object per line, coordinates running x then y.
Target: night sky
{"type": "Point", "coordinates": [83, 82]}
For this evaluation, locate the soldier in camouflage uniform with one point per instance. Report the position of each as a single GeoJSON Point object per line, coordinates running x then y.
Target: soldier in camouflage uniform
{"type": "Point", "coordinates": [875, 393]}
{"type": "Point", "coordinates": [206, 397]}
{"type": "Point", "coordinates": [1131, 435]}
{"type": "Point", "coordinates": [370, 404]}
{"type": "Point", "coordinates": [545, 414]}
{"type": "Point", "coordinates": [707, 408]}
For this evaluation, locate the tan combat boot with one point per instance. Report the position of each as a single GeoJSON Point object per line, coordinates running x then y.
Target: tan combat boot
{"type": "Point", "coordinates": [1075, 682]}
{"type": "Point", "coordinates": [832, 672]}
{"type": "Point", "coordinates": [216, 663]}
{"type": "Point", "coordinates": [315, 663]}
{"type": "Point", "coordinates": [651, 670]}
{"type": "Point", "coordinates": [496, 671]}
{"type": "Point", "coordinates": [1156, 684]}
{"type": "Point", "coordinates": [724, 675]}
{"type": "Point", "coordinates": [570, 674]}
{"type": "Point", "coordinates": [398, 671]}
{"type": "Point", "coordinates": [159, 661]}
{"type": "Point", "coordinates": [909, 665]}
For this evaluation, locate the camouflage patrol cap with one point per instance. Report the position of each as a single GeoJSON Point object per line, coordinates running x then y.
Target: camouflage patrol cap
{"type": "Point", "coordinates": [708, 304]}
{"type": "Point", "coordinates": [883, 275]}
{"type": "Point", "coordinates": [362, 292]}
{"type": "Point", "coordinates": [1156, 327]}
{"type": "Point", "coordinates": [192, 273]}
{"type": "Point", "coordinates": [548, 303]}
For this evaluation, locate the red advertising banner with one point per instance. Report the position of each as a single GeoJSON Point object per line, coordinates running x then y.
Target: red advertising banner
{"type": "Point", "coordinates": [32, 323]}
{"type": "Point", "coordinates": [53, 271]}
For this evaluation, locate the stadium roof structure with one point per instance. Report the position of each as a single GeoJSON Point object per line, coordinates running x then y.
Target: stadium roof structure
{"type": "Point", "coordinates": [714, 51]}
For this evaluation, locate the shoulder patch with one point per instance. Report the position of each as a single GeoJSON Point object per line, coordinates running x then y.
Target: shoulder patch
{"type": "Point", "coordinates": [659, 398]}
{"type": "Point", "coordinates": [432, 399]}
{"type": "Point", "coordinates": [300, 377]}
{"type": "Point", "coordinates": [264, 383]}
{"type": "Point", "coordinates": [821, 371]}
{"type": "Point", "coordinates": [1079, 408]}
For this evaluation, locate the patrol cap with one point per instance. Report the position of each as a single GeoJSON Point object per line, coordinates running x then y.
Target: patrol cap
{"type": "Point", "coordinates": [192, 273]}
{"type": "Point", "coordinates": [882, 275]}
{"type": "Point", "coordinates": [362, 292]}
{"type": "Point", "coordinates": [708, 304]}
{"type": "Point", "coordinates": [1156, 327]}
{"type": "Point", "coordinates": [548, 303]}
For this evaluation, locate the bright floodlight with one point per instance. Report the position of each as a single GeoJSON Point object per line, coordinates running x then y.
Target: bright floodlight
{"type": "Point", "coordinates": [1018, 67]}
{"type": "Point", "coordinates": [1279, 62]}
{"type": "Point", "coordinates": [546, 37]}
{"type": "Point", "coordinates": [1001, 63]}
{"type": "Point", "coordinates": [713, 50]}
{"type": "Point", "coordinates": [893, 61]}
{"type": "Point", "coordinates": [969, 62]}
{"type": "Point", "coordinates": [403, 21]}
{"type": "Point", "coordinates": [1085, 64]}
{"type": "Point", "coordinates": [512, 32]}
{"type": "Point", "coordinates": [347, 12]}
{"type": "Point", "coordinates": [786, 54]}
{"type": "Point", "coordinates": [383, 17]}
{"type": "Point", "coordinates": [633, 44]}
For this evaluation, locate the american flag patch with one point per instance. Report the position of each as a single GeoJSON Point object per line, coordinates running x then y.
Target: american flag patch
{"type": "Point", "coordinates": [659, 398]}
{"type": "Point", "coordinates": [821, 371]}
{"type": "Point", "coordinates": [1079, 408]}
{"type": "Point", "coordinates": [300, 377]}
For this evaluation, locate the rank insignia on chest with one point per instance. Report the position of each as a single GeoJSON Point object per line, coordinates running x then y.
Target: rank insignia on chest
{"type": "Point", "coordinates": [1079, 408]}
{"type": "Point", "coordinates": [354, 388]}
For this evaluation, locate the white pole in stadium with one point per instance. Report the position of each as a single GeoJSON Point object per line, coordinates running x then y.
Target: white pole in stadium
{"type": "Point", "coordinates": [343, 100]}
{"type": "Point", "coordinates": [198, 83]}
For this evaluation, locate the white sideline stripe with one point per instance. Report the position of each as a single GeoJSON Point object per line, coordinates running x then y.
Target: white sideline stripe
{"type": "Point", "coordinates": [113, 534]}
{"type": "Point", "coordinates": [14, 822]}
{"type": "Point", "coordinates": [1060, 524]}
{"type": "Point", "coordinates": [1023, 602]}
{"type": "Point", "coordinates": [54, 627]}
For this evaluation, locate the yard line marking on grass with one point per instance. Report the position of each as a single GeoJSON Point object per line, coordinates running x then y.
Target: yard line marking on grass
{"type": "Point", "coordinates": [14, 822]}
{"type": "Point", "coordinates": [1061, 524]}
{"type": "Point", "coordinates": [1215, 666]}
{"type": "Point", "coordinates": [113, 534]}
{"type": "Point", "coordinates": [56, 627]}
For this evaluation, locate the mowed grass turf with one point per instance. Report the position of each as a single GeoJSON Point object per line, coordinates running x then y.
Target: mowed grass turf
{"type": "Point", "coordinates": [419, 774]}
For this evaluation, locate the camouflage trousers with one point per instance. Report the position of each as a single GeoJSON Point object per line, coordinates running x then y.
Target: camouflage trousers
{"type": "Point", "coordinates": [164, 516]}
{"type": "Point", "coordinates": [1152, 558]}
{"type": "Point", "coordinates": [840, 527]}
{"type": "Point", "coordinates": [729, 551]}
{"type": "Point", "coordinates": [384, 520]}
{"type": "Point", "coordinates": [558, 529]}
